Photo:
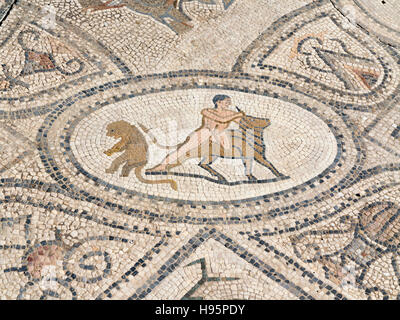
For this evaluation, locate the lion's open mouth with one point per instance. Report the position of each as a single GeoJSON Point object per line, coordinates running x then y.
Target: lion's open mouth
{"type": "Point", "coordinates": [113, 135]}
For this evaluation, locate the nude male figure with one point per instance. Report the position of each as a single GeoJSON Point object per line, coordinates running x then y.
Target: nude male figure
{"type": "Point", "coordinates": [214, 123]}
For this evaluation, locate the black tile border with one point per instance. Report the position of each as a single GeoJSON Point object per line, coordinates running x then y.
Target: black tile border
{"type": "Point", "coordinates": [181, 255]}
{"type": "Point", "coordinates": [50, 164]}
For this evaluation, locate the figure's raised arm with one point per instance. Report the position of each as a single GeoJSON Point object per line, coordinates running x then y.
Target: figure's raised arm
{"type": "Point", "coordinates": [211, 114]}
{"type": "Point", "coordinates": [241, 114]}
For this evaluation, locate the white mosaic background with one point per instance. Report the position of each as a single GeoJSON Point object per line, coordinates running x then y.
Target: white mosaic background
{"type": "Point", "coordinates": [298, 143]}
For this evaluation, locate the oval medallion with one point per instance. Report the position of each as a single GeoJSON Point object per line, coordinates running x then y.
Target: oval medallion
{"type": "Point", "coordinates": [270, 146]}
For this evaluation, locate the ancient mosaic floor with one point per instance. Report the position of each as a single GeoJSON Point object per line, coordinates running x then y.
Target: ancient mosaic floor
{"type": "Point", "coordinates": [297, 198]}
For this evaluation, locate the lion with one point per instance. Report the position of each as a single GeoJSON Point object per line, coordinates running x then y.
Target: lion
{"type": "Point", "coordinates": [136, 152]}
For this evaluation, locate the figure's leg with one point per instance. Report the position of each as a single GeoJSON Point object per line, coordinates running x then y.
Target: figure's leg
{"type": "Point", "coordinates": [269, 165]}
{"type": "Point", "coordinates": [206, 162]}
{"type": "Point", "coordinates": [222, 138]}
{"type": "Point", "coordinates": [208, 159]}
{"type": "Point", "coordinates": [179, 155]}
{"type": "Point", "coordinates": [126, 169]}
{"type": "Point", "coordinates": [116, 163]}
{"type": "Point", "coordinates": [248, 169]}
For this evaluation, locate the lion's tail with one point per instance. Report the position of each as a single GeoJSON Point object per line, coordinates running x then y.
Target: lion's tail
{"type": "Point", "coordinates": [138, 173]}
